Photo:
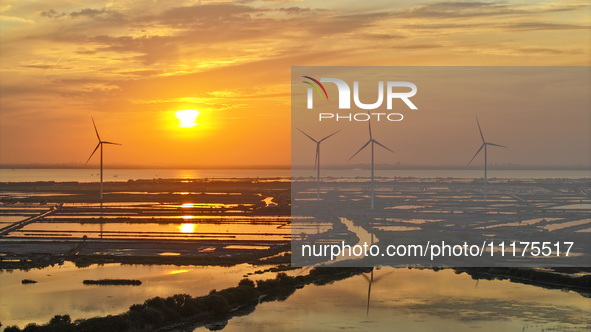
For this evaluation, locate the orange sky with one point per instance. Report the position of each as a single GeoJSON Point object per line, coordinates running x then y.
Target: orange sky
{"type": "Point", "coordinates": [132, 64]}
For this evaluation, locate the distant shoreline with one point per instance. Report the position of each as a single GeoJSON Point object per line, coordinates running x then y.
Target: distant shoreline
{"type": "Point", "coordinates": [83, 175]}
{"type": "Point", "coordinates": [303, 167]}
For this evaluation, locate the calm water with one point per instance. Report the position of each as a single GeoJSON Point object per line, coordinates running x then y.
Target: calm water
{"type": "Point", "coordinates": [409, 300]}
{"type": "Point", "coordinates": [200, 229]}
{"type": "Point", "coordinates": [92, 175]}
{"type": "Point", "coordinates": [420, 300]}
{"type": "Point", "coordinates": [59, 289]}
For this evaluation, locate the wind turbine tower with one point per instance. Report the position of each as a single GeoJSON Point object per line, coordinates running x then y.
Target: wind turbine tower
{"type": "Point", "coordinates": [372, 141]}
{"type": "Point", "coordinates": [317, 160]}
{"type": "Point", "coordinates": [484, 145]}
{"type": "Point", "coordinates": [100, 144]}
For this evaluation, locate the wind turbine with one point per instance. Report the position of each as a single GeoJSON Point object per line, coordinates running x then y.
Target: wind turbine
{"type": "Point", "coordinates": [484, 145]}
{"type": "Point", "coordinates": [372, 141]}
{"type": "Point", "coordinates": [317, 160]}
{"type": "Point", "coordinates": [100, 144]}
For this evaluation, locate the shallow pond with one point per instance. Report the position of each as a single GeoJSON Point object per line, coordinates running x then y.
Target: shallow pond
{"type": "Point", "coordinates": [191, 229]}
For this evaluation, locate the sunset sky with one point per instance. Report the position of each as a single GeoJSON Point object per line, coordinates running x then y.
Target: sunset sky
{"type": "Point", "coordinates": [132, 65]}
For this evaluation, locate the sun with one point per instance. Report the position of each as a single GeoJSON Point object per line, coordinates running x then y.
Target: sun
{"type": "Point", "coordinates": [187, 118]}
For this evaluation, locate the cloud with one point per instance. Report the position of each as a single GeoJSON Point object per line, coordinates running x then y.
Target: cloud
{"type": "Point", "coordinates": [147, 72]}
{"type": "Point", "coordinates": [459, 10]}
{"type": "Point", "coordinates": [191, 38]}
{"type": "Point", "coordinates": [294, 10]}
{"type": "Point", "coordinates": [204, 15]}
{"type": "Point", "coordinates": [543, 51]}
{"type": "Point", "coordinates": [101, 87]}
{"type": "Point", "coordinates": [539, 26]}
{"type": "Point", "coordinates": [512, 27]}
{"type": "Point", "coordinates": [516, 50]}
{"type": "Point", "coordinates": [15, 19]}
{"type": "Point", "coordinates": [221, 33]}
{"type": "Point", "coordinates": [379, 36]}
{"type": "Point", "coordinates": [4, 7]}
{"type": "Point", "coordinates": [151, 48]}
{"type": "Point", "coordinates": [51, 14]}
{"type": "Point", "coordinates": [100, 14]}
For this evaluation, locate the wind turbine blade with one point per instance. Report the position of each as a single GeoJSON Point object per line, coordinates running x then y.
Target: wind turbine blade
{"type": "Point", "coordinates": [329, 136]}
{"type": "Point", "coordinates": [363, 147]}
{"type": "Point", "coordinates": [95, 130]}
{"type": "Point", "coordinates": [92, 154]}
{"type": "Point", "coordinates": [382, 145]}
{"type": "Point", "coordinates": [317, 155]}
{"type": "Point", "coordinates": [483, 144]}
{"type": "Point", "coordinates": [480, 130]}
{"type": "Point", "coordinates": [376, 279]}
{"type": "Point", "coordinates": [307, 135]}
{"type": "Point", "coordinates": [370, 137]}
{"type": "Point", "coordinates": [501, 146]}
{"type": "Point", "coordinates": [111, 143]}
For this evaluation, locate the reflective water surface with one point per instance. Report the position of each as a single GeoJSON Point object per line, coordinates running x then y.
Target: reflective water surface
{"type": "Point", "coordinates": [420, 300]}
{"type": "Point", "coordinates": [401, 299]}
{"type": "Point", "coordinates": [59, 289]}
{"type": "Point", "coordinates": [191, 229]}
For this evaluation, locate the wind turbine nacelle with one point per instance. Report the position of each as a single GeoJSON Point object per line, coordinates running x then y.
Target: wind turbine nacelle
{"type": "Point", "coordinates": [345, 94]}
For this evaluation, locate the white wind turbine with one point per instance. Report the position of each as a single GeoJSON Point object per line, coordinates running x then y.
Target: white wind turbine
{"type": "Point", "coordinates": [372, 141]}
{"type": "Point", "coordinates": [317, 159]}
{"type": "Point", "coordinates": [484, 145]}
{"type": "Point", "coordinates": [100, 144]}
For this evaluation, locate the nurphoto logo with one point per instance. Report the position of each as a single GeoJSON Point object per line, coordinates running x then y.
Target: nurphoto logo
{"type": "Point", "coordinates": [344, 92]}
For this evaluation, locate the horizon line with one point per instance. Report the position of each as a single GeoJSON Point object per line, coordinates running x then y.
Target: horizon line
{"type": "Point", "coordinates": [384, 166]}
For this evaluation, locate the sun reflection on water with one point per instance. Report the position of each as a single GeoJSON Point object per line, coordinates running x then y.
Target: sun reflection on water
{"type": "Point", "coordinates": [187, 228]}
